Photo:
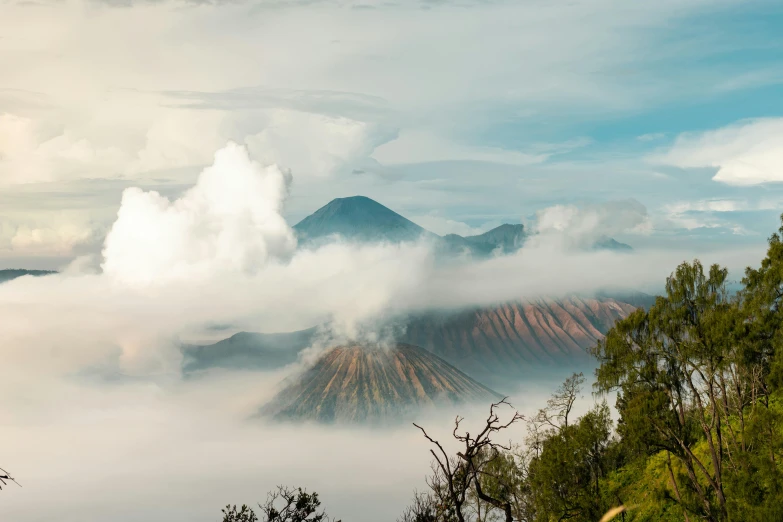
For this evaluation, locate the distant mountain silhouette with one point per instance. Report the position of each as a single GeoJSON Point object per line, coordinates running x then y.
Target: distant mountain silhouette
{"type": "Point", "coordinates": [248, 351]}
{"type": "Point", "coordinates": [13, 273]}
{"type": "Point", "coordinates": [365, 383]}
{"type": "Point", "coordinates": [607, 243]}
{"type": "Point", "coordinates": [359, 218]}
{"type": "Point", "coordinates": [505, 239]}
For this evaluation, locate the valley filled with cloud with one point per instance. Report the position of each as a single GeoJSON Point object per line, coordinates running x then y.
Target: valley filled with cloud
{"type": "Point", "coordinates": [160, 157]}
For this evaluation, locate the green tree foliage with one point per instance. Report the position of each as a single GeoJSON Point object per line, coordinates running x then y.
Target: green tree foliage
{"type": "Point", "coordinates": [696, 376]}
{"type": "Point", "coordinates": [282, 505]}
{"type": "Point", "coordinates": [564, 478]}
{"type": "Point", "coordinates": [243, 514]}
{"type": "Point", "coordinates": [557, 476]}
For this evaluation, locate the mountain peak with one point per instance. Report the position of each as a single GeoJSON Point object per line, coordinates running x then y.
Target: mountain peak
{"type": "Point", "coordinates": [358, 218]}
{"type": "Point", "coordinates": [607, 243]}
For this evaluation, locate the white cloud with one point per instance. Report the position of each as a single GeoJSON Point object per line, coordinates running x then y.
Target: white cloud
{"type": "Point", "coordinates": [316, 145]}
{"type": "Point", "coordinates": [421, 147]}
{"type": "Point", "coordinates": [59, 240]}
{"type": "Point", "coordinates": [30, 154]}
{"type": "Point", "coordinates": [52, 234]}
{"type": "Point", "coordinates": [443, 226]}
{"type": "Point", "coordinates": [584, 225]}
{"type": "Point", "coordinates": [181, 138]}
{"type": "Point", "coordinates": [230, 219]}
{"type": "Point", "coordinates": [745, 153]}
{"type": "Point", "coordinates": [165, 139]}
{"type": "Point", "coordinates": [712, 213]}
{"type": "Point", "coordinates": [707, 205]}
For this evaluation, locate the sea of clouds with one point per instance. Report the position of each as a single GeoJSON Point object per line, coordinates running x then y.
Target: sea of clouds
{"type": "Point", "coordinates": [98, 423]}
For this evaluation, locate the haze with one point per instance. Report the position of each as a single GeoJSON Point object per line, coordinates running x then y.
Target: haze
{"type": "Point", "coordinates": [158, 154]}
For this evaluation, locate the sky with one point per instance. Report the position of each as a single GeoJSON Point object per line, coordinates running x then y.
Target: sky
{"type": "Point", "coordinates": [157, 153]}
{"type": "Point", "coordinates": [459, 115]}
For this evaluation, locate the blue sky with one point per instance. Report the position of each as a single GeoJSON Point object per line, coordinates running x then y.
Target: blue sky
{"type": "Point", "coordinates": [460, 115]}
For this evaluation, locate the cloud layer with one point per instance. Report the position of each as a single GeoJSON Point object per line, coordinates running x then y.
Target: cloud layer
{"type": "Point", "coordinates": [746, 153]}
{"type": "Point", "coordinates": [90, 386]}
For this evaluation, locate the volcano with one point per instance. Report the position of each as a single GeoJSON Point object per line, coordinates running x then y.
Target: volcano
{"type": "Point", "coordinates": [362, 383]}
{"type": "Point", "coordinates": [495, 344]}
{"type": "Point", "coordinates": [361, 219]}
{"type": "Point", "coordinates": [358, 218]}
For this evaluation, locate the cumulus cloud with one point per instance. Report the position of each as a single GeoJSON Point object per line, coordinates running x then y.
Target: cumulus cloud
{"type": "Point", "coordinates": [29, 153]}
{"type": "Point", "coordinates": [582, 226]}
{"type": "Point", "coordinates": [310, 144]}
{"type": "Point", "coordinates": [180, 138]}
{"type": "Point", "coordinates": [46, 234]}
{"type": "Point", "coordinates": [230, 218]}
{"type": "Point", "coordinates": [745, 153]}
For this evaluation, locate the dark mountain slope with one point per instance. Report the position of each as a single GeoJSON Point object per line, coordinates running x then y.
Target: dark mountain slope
{"type": "Point", "coordinates": [607, 243]}
{"type": "Point", "coordinates": [249, 351]}
{"type": "Point", "coordinates": [358, 218]}
{"type": "Point", "coordinates": [505, 238]}
{"type": "Point", "coordinates": [13, 273]}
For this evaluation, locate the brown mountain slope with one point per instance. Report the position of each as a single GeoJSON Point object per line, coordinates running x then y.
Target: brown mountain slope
{"type": "Point", "coordinates": [517, 336]}
{"type": "Point", "coordinates": [359, 383]}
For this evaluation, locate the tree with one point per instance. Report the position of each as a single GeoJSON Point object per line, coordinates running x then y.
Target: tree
{"type": "Point", "coordinates": [691, 375]}
{"type": "Point", "coordinates": [567, 460]}
{"type": "Point", "coordinates": [559, 406]}
{"type": "Point", "coordinates": [425, 508]}
{"type": "Point", "coordinates": [669, 365]}
{"type": "Point", "coordinates": [504, 477]}
{"type": "Point", "coordinates": [454, 477]}
{"type": "Point", "coordinates": [283, 505]}
{"type": "Point", "coordinates": [5, 476]}
{"type": "Point", "coordinates": [243, 514]}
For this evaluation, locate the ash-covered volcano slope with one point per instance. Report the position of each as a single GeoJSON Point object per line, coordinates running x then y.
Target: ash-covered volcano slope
{"type": "Point", "coordinates": [494, 342]}
{"type": "Point", "coordinates": [366, 383]}
{"type": "Point", "coordinates": [497, 345]}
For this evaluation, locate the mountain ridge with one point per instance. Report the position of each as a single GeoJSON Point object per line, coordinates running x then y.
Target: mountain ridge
{"type": "Point", "coordinates": [360, 218]}
{"type": "Point", "coordinates": [494, 344]}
